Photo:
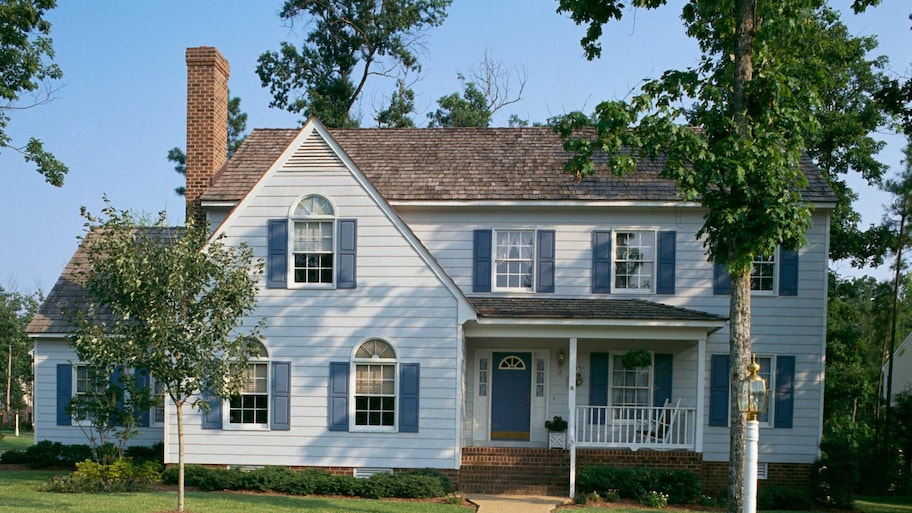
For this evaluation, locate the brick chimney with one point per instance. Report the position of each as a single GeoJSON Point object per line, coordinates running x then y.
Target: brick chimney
{"type": "Point", "coordinates": [207, 122]}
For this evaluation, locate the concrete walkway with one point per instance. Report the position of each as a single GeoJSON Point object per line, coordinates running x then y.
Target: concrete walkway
{"type": "Point", "coordinates": [516, 503]}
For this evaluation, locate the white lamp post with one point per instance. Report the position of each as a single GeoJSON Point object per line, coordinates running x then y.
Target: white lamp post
{"type": "Point", "coordinates": [752, 401]}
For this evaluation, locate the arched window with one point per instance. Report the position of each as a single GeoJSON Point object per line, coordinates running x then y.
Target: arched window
{"type": "Point", "coordinates": [375, 384]}
{"type": "Point", "coordinates": [251, 406]}
{"type": "Point", "coordinates": [313, 229]}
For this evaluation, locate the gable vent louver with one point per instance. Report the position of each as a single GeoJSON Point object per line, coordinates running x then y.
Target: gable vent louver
{"type": "Point", "coordinates": [313, 154]}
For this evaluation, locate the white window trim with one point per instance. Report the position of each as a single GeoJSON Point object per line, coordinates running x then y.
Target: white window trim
{"type": "Point", "coordinates": [164, 403]}
{"type": "Point", "coordinates": [770, 388]}
{"type": "Point", "coordinates": [520, 290]}
{"type": "Point", "coordinates": [775, 289]}
{"type": "Point", "coordinates": [74, 393]}
{"type": "Point", "coordinates": [614, 261]}
{"type": "Point", "coordinates": [352, 378]}
{"type": "Point", "coordinates": [290, 272]}
{"type": "Point", "coordinates": [617, 356]}
{"type": "Point", "coordinates": [227, 425]}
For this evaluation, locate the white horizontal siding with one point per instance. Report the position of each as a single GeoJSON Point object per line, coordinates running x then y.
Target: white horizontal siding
{"type": "Point", "coordinates": [398, 297]}
{"type": "Point", "coordinates": [48, 354]}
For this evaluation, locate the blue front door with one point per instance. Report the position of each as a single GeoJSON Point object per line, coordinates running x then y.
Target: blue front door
{"type": "Point", "coordinates": [511, 396]}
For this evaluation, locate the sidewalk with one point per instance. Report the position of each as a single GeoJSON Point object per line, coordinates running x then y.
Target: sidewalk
{"type": "Point", "coordinates": [516, 503]}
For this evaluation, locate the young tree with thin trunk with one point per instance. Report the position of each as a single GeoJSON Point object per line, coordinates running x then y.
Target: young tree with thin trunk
{"type": "Point", "coordinates": [169, 302]}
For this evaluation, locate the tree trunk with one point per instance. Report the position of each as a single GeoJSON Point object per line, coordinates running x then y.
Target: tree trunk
{"type": "Point", "coordinates": [739, 317]}
{"type": "Point", "coordinates": [180, 455]}
{"type": "Point", "coordinates": [739, 358]}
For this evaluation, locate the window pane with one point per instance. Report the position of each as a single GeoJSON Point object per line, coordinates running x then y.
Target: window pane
{"type": "Point", "coordinates": [634, 260]}
{"type": "Point", "coordinates": [514, 259]}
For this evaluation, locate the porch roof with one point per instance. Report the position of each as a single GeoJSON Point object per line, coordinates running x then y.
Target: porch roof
{"type": "Point", "coordinates": [589, 309]}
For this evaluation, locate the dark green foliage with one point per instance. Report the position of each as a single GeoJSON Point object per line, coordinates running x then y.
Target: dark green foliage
{"type": "Point", "coordinates": [26, 51]}
{"type": "Point", "coordinates": [47, 454]}
{"type": "Point", "coordinates": [349, 41]}
{"type": "Point", "coordinates": [681, 486]}
{"type": "Point", "coordinates": [412, 485]}
{"type": "Point", "coordinates": [469, 110]}
{"type": "Point", "coordinates": [141, 453]}
{"type": "Point", "coordinates": [781, 498]}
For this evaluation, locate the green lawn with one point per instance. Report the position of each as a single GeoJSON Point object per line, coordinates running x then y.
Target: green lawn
{"type": "Point", "coordinates": [10, 441]}
{"type": "Point", "coordinates": [18, 494]}
{"type": "Point", "coordinates": [884, 504]}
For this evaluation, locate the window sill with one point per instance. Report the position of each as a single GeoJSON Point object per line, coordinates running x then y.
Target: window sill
{"type": "Point", "coordinates": [226, 426]}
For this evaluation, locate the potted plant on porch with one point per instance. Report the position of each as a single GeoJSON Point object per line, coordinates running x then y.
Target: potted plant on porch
{"type": "Point", "coordinates": [557, 432]}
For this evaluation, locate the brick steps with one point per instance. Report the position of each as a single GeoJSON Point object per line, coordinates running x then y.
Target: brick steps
{"type": "Point", "coordinates": [515, 471]}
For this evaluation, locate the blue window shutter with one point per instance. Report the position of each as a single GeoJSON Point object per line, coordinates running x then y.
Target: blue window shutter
{"type": "Point", "coordinates": [788, 273]}
{"type": "Point", "coordinates": [116, 380]}
{"type": "Point", "coordinates": [784, 395]}
{"type": "Point", "coordinates": [142, 382]}
{"type": "Point", "coordinates": [409, 378]}
{"type": "Point", "coordinates": [277, 254]}
{"type": "Point", "coordinates": [601, 261]}
{"type": "Point", "coordinates": [281, 397]}
{"type": "Point", "coordinates": [545, 277]}
{"type": "Point", "coordinates": [598, 382]}
{"type": "Point", "coordinates": [481, 261]}
{"type": "Point", "coordinates": [719, 386]}
{"type": "Point", "coordinates": [665, 265]}
{"type": "Point", "coordinates": [347, 270]}
{"type": "Point", "coordinates": [64, 394]}
{"type": "Point", "coordinates": [338, 396]}
{"type": "Point", "coordinates": [662, 379]}
{"type": "Point", "coordinates": [598, 379]}
{"type": "Point", "coordinates": [721, 279]}
{"type": "Point", "coordinates": [212, 419]}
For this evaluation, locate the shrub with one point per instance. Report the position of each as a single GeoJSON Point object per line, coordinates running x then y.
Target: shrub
{"type": "Point", "coordinates": [420, 484]}
{"type": "Point", "coordinates": [781, 498]}
{"type": "Point", "coordinates": [680, 486]}
{"type": "Point", "coordinates": [119, 476]}
{"type": "Point", "coordinates": [140, 453]}
{"type": "Point", "coordinates": [47, 454]}
{"type": "Point", "coordinates": [655, 499]}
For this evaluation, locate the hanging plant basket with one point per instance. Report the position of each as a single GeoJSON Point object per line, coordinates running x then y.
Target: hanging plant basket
{"type": "Point", "coordinates": [636, 358]}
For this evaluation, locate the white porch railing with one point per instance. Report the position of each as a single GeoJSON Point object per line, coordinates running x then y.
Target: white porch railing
{"type": "Point", "coordinates": [639, 427]}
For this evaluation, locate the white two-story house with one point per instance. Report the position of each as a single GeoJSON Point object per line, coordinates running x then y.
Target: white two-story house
{"type": "Point", "coordinates": [433, 296]}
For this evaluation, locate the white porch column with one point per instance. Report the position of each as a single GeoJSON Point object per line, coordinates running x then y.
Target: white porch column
{"type": "Point", "coordinates": [701, 394]}
{"type": "Point", "coordinates": [571, 422]}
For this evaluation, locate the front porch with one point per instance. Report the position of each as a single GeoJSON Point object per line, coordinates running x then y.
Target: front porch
{"type": "Point", "coordinates": [666, 427]}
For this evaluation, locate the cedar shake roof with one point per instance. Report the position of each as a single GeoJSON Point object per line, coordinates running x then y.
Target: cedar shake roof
{"type": "Point", "coordinates": [466, 164]}
{"type": "Point", "coordinates": [596, 309]}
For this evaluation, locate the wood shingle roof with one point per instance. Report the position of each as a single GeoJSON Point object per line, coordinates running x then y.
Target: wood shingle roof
{"type": "Point", "coordinates": [466, 164]}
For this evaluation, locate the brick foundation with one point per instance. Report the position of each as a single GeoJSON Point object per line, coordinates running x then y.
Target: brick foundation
{"type": "Point", "coordinates": [796, 476]}
{"type": "Point", "coordinates": [516, 471]}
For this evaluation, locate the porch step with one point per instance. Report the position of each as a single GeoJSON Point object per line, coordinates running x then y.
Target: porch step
{"type": "Point", "coordinates": [515, 471]}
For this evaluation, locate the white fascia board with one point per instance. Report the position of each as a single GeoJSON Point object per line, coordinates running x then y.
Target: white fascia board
{"type": "Point", "coordinates": [53, 336]}
{"type": "Point", "coordinates": [219, 204]}
{"type": "Point", "coordinates": [542, 203]}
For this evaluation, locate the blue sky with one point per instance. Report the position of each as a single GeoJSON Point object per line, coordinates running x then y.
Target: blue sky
{"type": "Point", "coordinates": [121, 104]}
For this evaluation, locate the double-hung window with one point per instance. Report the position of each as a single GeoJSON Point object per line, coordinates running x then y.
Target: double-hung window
{"type": "Point", "coordinates": [634, 261]}
{"type": "Point", "coordinates": [514, 259]}
{"type": "Point", "coordinates": [630, 386]}
{"type": "Point", "coordinates": [375, 385]}
{"type": "Point", "coordinates": [250, 407]}
{"type": "Point", "coordinates": [763, 274]}
{"type": "Point", "coordinates": [313, 223]}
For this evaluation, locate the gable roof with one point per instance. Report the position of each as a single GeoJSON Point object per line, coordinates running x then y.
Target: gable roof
{"type": "Point", "coordinates": [466, 164]}
{"type": "Point", "coordinates": [69, 290]}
